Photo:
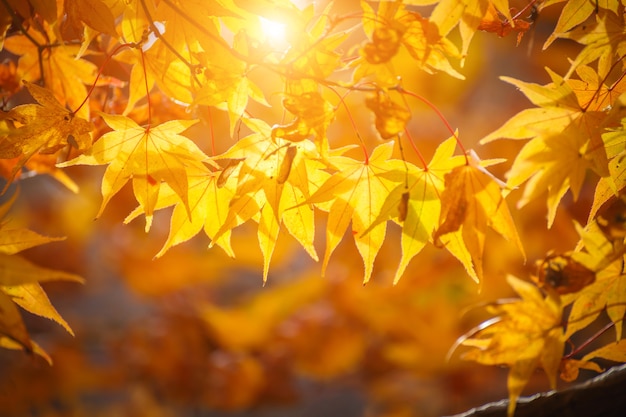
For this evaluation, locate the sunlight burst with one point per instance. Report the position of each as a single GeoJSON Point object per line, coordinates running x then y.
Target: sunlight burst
{"type": "Point", "coordinates": [274, 31]}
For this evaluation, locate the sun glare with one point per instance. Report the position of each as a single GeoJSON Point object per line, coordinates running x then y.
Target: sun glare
{"type": "Point", "coordinates": [274, 31]}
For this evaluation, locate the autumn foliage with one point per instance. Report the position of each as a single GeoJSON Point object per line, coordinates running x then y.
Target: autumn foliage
{"type": "Point", "coordinates": [205, 123]}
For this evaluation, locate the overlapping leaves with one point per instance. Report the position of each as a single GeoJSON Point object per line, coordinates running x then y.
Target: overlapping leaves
{"type": "Point", "coordinates": [20, 286]}
{"type": "Point", "coordinates": [524, 335]}
{"type": "Point", "coordinates": [204, 54]}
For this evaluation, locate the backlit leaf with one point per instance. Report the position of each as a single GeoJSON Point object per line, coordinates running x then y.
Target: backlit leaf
{"type": "Point", "coordinates": [148, 156]}
{"type": "Point", "coordinates": [472, 201]}
{"type": "Point", "coordinates": [528, 335]}
{"type": "Point", "coordinates": [42, 128]}
{"type": "Point", "coordinates": [358, 193]}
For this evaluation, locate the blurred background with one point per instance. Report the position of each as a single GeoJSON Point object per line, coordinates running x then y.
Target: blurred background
{"type": "Point", "coordinates": [195, 333]}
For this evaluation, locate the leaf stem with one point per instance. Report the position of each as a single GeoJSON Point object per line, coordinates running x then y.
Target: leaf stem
{"type": "Point", "coordinates": [210, 115]}
{"type": "Point", "coordinates": [591, 339]}
{"type": "Point", "coordinates": [416, 149]}
{"type": "Point", "coordinates": [354, 127]}
{"type": "Point", "coordinates": [95, 82]}
{"type": "Point", "coordinates": [424, 100]}
{"type": "Point", "coordinates": [518, 14]}
{"type": "Point", "coordinates": [145, 79]}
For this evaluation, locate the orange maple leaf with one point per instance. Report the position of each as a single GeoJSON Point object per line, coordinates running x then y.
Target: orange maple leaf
{"type": "Point", "coordinates": [492, 22]}
{"type": "Point", "coordinates": [63, 72]}
{"type": "Point", "coordinates": [472, 201]}
{"type": "Point", "coordinates": [42, 128]}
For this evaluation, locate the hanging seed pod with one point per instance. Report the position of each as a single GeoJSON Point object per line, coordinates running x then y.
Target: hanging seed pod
{"type": "Point", "coordinates": [563, 274]}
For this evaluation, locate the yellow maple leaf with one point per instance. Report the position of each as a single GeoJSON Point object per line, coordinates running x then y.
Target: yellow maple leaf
{"type": "Point", "coordinates": [608, 291]}
{"type": "Point", "coordinates": [467, 15]}
{"type": "Point", "coordinates": [565, 141]}
{"type": "Point", "coordinates": [574, 13]}
{"type": "Point", "coordinates": [393, 28]}
{"type": "Point", "coordinates": [313, 115]}
{"type": "Point", "coordinates": [391, 117]}
{"type": "Point", "coordinates": [31, 297]}
{"type": "Point", "coordinates": [615, 352]}
{"type": "Point", "coordinates": [145, 155]}
{"type": "Point", "coordinates": [225, 81]}
{"type": "Point", "coordinates": [570, 368]}
{"type": "Point", "coordinates": [611, 185]}
{"type": "Point", "coordinates": [472, 201]}
{"type": "Point", "coordinates": [19, 285]}
{"type": "Point", "coordinates": [208, 202]}
{"type": "Point", "coordinates": [274, 180]}
{"type": "Point", "coordinates": [358, 191]}
{"type": "Point", "coordinates": [420, 197]}
{"type": "Point", "coordinates": [526, 334]}
{"type": "Point", "coordinates": [604, 39]}
{"type": "Point", "coordinates": [42, 128]}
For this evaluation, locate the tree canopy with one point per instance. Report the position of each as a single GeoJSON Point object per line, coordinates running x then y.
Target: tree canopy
{"type": "Point", "coordinates": [309, 124]}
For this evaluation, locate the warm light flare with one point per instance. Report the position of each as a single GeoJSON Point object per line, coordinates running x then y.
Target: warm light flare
{"type": "Point", "coordinates": [274, 31]}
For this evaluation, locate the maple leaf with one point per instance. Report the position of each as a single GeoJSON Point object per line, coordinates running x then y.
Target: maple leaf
{"type": "Point", "coordinates": [147, 155]}
{"type": "Point", "coordinates": [63, 73]}
{"type": "Point", "coordinates": [396, 27]}
{"type": "Point", "coordinates": [472, 201]}
{"type": "Point", "coordinates": [566, 141]}
{"type": "Point", "coordinates": [570, 368]}
{"type": "Point", "coordinates": [95, 14]}
{"type": "Point", "coordinates": [615, 352]}
{"type": "Point", "coordinates": [208, 203]}
{"type": "Point", "coordinates": [467, 15]}
{"type": "Point", "coordinates": [608, 291]}
{"type": "Point", "coordinates": [391, 117]}
{"type": "Point", "coordinates": [611, 185]}
{"type": "Point", "coordinates": [573, 13]}
{"type": "Point", "coordinates": [604, 40]}
{"type": "Point", "coordinates": [358, 191]}
{"type": "Point", "coordinates": [313, 115]}
{"type": "Point", "coordinates": [227, 85]}
{"type": "Point", "coordinates": [421, 198]}
{"type": "Point", "coordinates": [19, 285]}
{"type": "Point", "coordinates": [43, 128]}
{"type": "Point", "coordinates": [524, 335]}
{"type": "Point", "coordinates": [592, 92]}
{"type": "Point", "coordinates": [274, 181]}
{"type": "Point", "coordinates": [493, 23]}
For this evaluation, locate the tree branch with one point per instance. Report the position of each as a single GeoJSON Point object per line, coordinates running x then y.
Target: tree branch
{"type": "Point", "coordinates": [602, 396]}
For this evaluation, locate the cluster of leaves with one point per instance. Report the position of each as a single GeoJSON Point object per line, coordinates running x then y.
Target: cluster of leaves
{"type": "Point", "coordinates": [206, 57]}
